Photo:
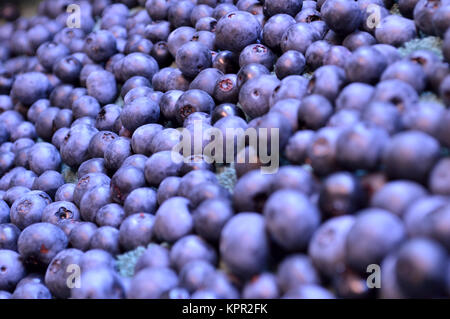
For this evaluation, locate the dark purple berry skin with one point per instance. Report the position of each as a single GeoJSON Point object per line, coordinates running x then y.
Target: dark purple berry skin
{"type": "Point", "coordinates": [236, 30]}
{"type": "Point", "coordinates": [291, 7]}
{"type": "Point", "coordinates": [299, 37]}
{"type": "Point", "coordinates": [140, 200]}
{"type": "Point", "coordinates": [255, 94]}
{"type": "Point", "coordinates": [9, 234]}
{"type": "Point", "coordinates": [226, 61]}
{"type": "Point", "coordinates": [30, 87]}
{"type": "Point", "coordinates": [106, 238]}
{"type": "Point", "coordinates": [193, 57]}
{"type": "Point", "coordinates": [139, 112]}
{"type": "Point", "coordinates": [124, 181]}
{"type": "Point", "coordinates": [173, 220]}
{"type": "Point", "coordinates": [372, 222]}
{"type": "Point", "coordinates": [100, 45]}
{"type": "Point", "coordinates": [136, 230]}
{"type": "Point", "coordinates": [250, 71]}
{"type": "Point", "coordinates": [152, 283]}
{"type": "Point", "coordinates": [328, 256]}
{"type": "Point", "coordinates": [411, 257]}
{"type": "Point", "coordinates": [193, 101]}
{"type": "Point", "coordinates": [28, 210]}
{"type": "Point", "coordinates": [117, 151]}
{"type": "Point", "coordinates": [93, 200]}
{"type": "Point", "coordinates": [226, 89]}
{"type": "Point", "coordinates": [13, 270]}
{"type": "Point", "coordinates": [314, 112]}
{"type": "Point", "coordinates": [102, 86]}
{"type": "Point", "coordinates": [274, 28]}
{"type": "Point", "coordinates": [395, 30]}
{"type": "Point", "coordinates": [57, 276]}
{"type": "Point", "coordinates": [81, 235]}
{"type": "Point", "coordinates": [290, 63]}
{"type": "Point", "coordinates": [40, 242]}
{"type": "Point", "coordinates": [102, 283]}
{"type": "Point", "coordinates": [411, 155]}
{"type": "Point", "coordinates": [56, 212]}
{"type": "Point", "coordinates": [199, 249]}
{"type": "Point", "coordinates": [245, 255]}
{"type": "Point", "coordinates": [341, 16]}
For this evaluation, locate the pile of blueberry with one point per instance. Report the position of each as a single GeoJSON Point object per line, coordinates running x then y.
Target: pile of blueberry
{"type": "Point", "coordinates": [92, 93]}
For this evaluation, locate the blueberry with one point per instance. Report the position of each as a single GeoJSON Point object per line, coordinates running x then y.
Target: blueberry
{"type": "Point", "coordinates": [87, 70]}
{"type": "Point", "coordinates": [178, 37]}
{"type": "Point", "coordinates": [206, 24]}
{"type": "Point", "coordinates": [370, 227]}
{"type": "Point", "coordinates": [206, 80]}
{"type": "Point", "coordinates": [327, 80]}
{"type": "Point", "coordinates": [136, 230]}
{"type": "Point", "coordinates": [446, 46]}
{"type": "Point", "coordinates": [102, 283]}
{"type": "Point", "coordinates": [426, 260]}
{"type": "Point", "coordinates": [68, 69]}
{"type": "Point", "coordinates": [124, 181]}
{"type": "Point", "coordinates": [165, 140]}
{"type": "Point", "coordinates": [327, 246]}
{"type": "Point", "coordinates": [74, 149]}
{"type": "Point", "coordinates": [264, 286]}
{"type": "Point", "coordinates": [290, 63]}
{"type": "Point", "coordinates": [444, 129]}
{"type": "Point", "coordinates": [100, 45]}
{"type": "Point", "coordinates": [81, 235]}
{"type": "Point", "coordinates": [9, 235]}
{"type": "Point", "coordinates": [406, 150]}
{"type": "Point", "coordinates": [299, 37]}
{"type": "Point", "coordinates": [226, 89]}
{"type": "Point", "coordinates": [87, 183]}
{"type": "Point", "coordinates": [157, 9]}
{"type": "Point", "coordinates": [110, 215]}
{"type": "Point", "coordinates": [30, 87]}
{"type": "Point", "coordinates": [322, 150]}
{"type": "Point", "coordinates": [365, 65]}
{"type": "Point", "coordinates": [193, 57]}
{"type": "Point", "coordinates": [5, 295]}
{"type": "Point", "coordinates": [93, 200]}
{"type": "Point", "coordinates": [407, 71]}
{"type": "Point", "coordinates": [341, 194]}
{"type": "Point", "coordinates": [193, 101]}
{"type": "Point", "coordinates": [297, 146]}
{"type": "Point", "coordinates": [354, 96]}
{"type": "Point", "coordinates": [444, 90]}
{"type": "Point", "coordinates": [179, 13]}
{"type": "Point", "coordinates": [173, 219]}
{"type": "Point", "coordinates": [251, 191]}
{"type": "Point", "coordinates": [351, 285]}
{"type": "Point", "coordinates": [296, 270]}
{"type": "Point", "coordinates": [152, 283]}
{"type": "Point", "coordinates": [28, 209]}
{"type": "Point", "coordinates": [106, 238]}
{"type": "Point", "coordinates": [142, 136]}
{"type": "Point", "coordinates": [135, 64]}
{"type": "Point", "coordinates": [395, 30]}
{"type": "Point", "coordinates": [190, 248]}
{"type": "Point", "coordinates": [210, 217]}
{"type": "Point", "coordinates": [226, 61]}
{"type": "Point", "coordinates": [116, 152]}
{"type": "Point", "coordinates": [155, 256]}
{"type": "Point", "coordinates": [11, 195]}
{"type": "Point", "coordinates": [224, 110]}
{"type": "Point", "coordinates": [32, 290]}
{"type": "Point", "coordinates": [341, 16]}
{"type": "Point", "coordinates": [244, 244]}
{"type": "Point", "coordinates": [40, 242]}
{"type": "Point", "coordinates": [236, 30]}
{"type": "Point", "coordinates": [439, 182]}
{"type": "Point", "coordinates": [139, 112]}
{"type": "Point", "coordinates": [397, 92]}
{"type": "Point", "coordinates": [102, 86]}
{"type": "Point", "coordinates": [255, 94]}
{"type": "Point", "coordinates": [166, 166]}
{"type": "Point", "coordinates": [12, 269]}
{"type": "Point", "coordinates": [361, 147]}
{"type": "Point", "coordinates": [358, 39]}
{"type": "Point", "coordinates": [58, 271]}
{"type": "Point", "coordinates": [314, 112]}
{"type": "Point", "coordinates": [194, 274]}
{"type": "Point", "coordinates": [140, 200]}
{"type": "Point", "coordinates": [142, 91]}
{"type": "Point", "coordinates": [65, 192]}
{"type": "Point", "coordinates": [57, 212]}
{"type": "Point", "coordinates": [221, 9]}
